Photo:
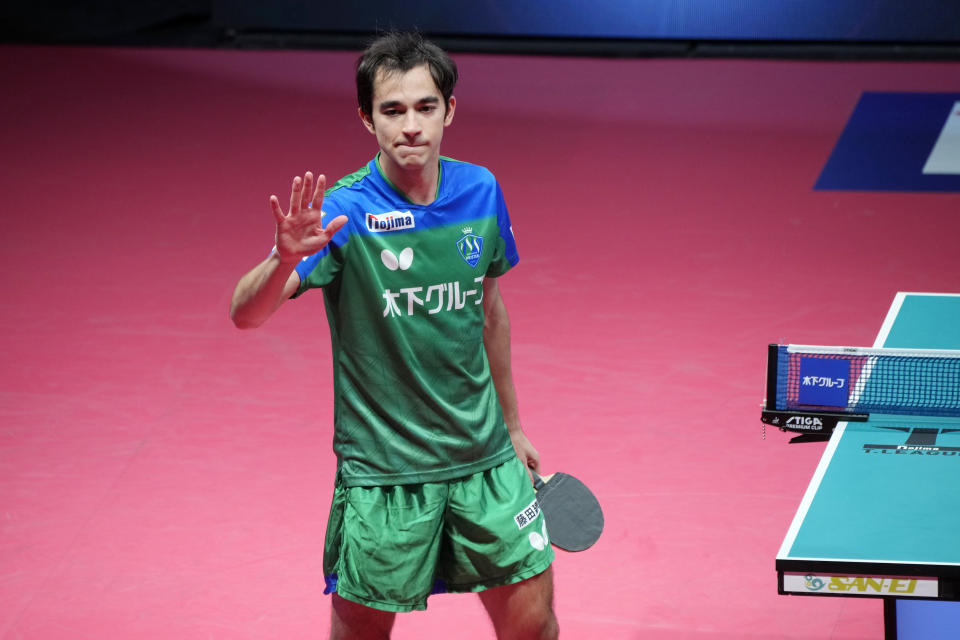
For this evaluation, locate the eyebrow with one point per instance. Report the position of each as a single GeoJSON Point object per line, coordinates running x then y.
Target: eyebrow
{"type": "Point", "coordinates": [396, 103]}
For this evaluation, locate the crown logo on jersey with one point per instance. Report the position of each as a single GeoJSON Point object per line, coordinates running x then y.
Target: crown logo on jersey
{"type": "Point", "coordinates": [470, 247]}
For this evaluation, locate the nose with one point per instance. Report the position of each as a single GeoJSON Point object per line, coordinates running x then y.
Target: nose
{"type": "Point", "coordinates": [411, 123]}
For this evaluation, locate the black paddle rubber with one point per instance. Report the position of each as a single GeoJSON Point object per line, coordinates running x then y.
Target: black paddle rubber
{"type": "Point", "coordinates": [573, 514]}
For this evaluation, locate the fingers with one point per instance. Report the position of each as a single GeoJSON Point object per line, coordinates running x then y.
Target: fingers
{"type": "Point", "coordinates": [302, 196]}
{"type": "Point", "coordinates": [295, 196]}
{"type": "Point", "coordinates": [307, 193]}
{"type": "Point", "coordinates": [318, 194]}
{"type": "Point", "coordinates": [532, 470]}
{"type": "Point", "coordinates": [533, 462]}
{"type": "Point", "coordinates": [275, 208]}
{"type": "Point", "coordinates": [532, 457]}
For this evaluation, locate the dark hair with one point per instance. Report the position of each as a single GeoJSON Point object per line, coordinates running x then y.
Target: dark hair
{"type": "Point", "coordinates": [400, 51]}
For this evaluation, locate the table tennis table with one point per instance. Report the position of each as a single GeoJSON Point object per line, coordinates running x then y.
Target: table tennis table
{"type": "Point", "coordinates": [881, 518]}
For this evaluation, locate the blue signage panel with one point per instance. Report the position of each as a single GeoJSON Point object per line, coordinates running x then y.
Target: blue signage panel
{"type": "Point", "coordinates": [824, 382]}
{"type": "Point", "coordinates": [898, 142]}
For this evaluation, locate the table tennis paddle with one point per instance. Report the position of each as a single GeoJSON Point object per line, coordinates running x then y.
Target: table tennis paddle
{"type": "Point", "coordinates": [573, 514]}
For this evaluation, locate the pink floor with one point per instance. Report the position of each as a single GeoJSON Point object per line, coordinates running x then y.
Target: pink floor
{"type": "Point", "coordinates": [164, 475]}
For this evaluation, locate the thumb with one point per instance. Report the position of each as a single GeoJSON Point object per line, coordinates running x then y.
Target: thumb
{"type": "Point", "coordinates": [335, 225]}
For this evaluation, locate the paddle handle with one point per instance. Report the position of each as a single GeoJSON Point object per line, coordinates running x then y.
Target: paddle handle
{"type": "Point", "coordinates": [537, 480]}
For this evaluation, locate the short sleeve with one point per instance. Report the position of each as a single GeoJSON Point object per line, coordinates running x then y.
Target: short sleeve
{"type": "Point", "coordinates": [505, 255]}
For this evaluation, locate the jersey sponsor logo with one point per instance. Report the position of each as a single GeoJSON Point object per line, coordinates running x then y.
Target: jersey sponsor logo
{"type": "Point", "coordinates": [390, 221]}
{"type": "Point", "coordinates": [445, 296]}
{"type": "Point", "coordinates": [527, 515]}
{"type": "Point", "coordinates": [539, 539]}
{"type": "Point", "coordinates": [470, 247]}
{"type": "Point", "coordinates": [394, 262]}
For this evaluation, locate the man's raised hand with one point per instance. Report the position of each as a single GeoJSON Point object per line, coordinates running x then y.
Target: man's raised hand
{"type": "Point", "coordinates": [300, 232]}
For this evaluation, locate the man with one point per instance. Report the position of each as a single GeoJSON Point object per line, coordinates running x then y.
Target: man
{"type": "Point", "coordinates": [432, 492]}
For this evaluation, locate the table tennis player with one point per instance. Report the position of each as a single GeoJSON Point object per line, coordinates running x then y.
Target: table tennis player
{"type": "Point", "coordinates": [431, 491]}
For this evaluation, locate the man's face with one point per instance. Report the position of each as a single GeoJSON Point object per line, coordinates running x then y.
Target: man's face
{"type": "Point", "coordinates": [408, 118]}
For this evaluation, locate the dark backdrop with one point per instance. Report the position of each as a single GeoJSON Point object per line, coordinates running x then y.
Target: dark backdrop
{"type": "Point", "coordinates": [886, 28]}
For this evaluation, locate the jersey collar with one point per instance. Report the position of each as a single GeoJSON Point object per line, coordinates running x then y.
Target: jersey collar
{"type": "Point", "coordinates": [376, 163]}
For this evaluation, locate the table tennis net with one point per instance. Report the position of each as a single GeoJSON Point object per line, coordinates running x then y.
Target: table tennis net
{"type": "Point", "coordinates": [864, 380]}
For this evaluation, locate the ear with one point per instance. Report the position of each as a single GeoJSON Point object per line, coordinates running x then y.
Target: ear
{"type": "Point", "coordinates": [448, 118]}
{"type": "Point", "coordinates": [367, 120]}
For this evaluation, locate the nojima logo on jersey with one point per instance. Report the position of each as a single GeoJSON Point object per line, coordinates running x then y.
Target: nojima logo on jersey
{"type": "Point", "coordinates": [391, 221]}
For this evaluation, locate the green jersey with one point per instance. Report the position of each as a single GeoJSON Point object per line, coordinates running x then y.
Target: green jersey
{"type": "Point", "coordinates": [414, 401]}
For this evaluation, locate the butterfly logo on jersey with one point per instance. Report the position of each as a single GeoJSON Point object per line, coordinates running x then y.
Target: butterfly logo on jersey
{"type": "Point", "coordinates": [470, 247]}
{"type": "Point", "coordinates": [394, 262]}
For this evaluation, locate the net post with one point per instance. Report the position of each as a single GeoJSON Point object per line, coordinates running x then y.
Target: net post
{"type": "Point", "coordinates": [773, 353]}
{"type": "Point", "coordinates": [889, 619]}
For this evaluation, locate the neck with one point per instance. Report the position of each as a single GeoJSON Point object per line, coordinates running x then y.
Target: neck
{"type": "Point", "coordinates": [419, 186]}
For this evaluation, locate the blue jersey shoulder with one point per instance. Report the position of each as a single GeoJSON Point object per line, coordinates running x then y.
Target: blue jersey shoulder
{"type": "Point", "coordinates": [458, 174]}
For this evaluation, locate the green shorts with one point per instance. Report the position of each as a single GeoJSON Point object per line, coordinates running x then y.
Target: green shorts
{"type": "Point", "coordinates": [391, 547]}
